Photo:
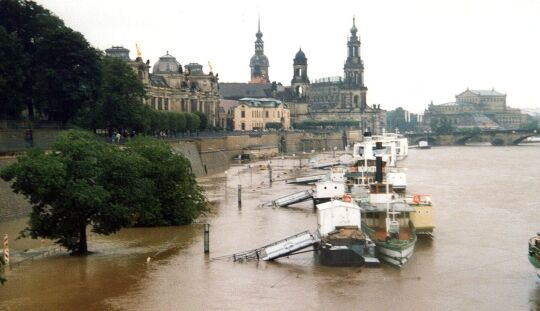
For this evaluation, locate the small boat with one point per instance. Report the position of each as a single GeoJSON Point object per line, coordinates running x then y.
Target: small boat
{"type": "Point", "coordinates": [534, 253]}
{"type": "Point", "coordinates": [423, 145]}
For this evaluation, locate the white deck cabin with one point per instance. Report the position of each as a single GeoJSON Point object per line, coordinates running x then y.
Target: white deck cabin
{"type": "Point", "coordinates": [337, 213]}
{"type": "Point", "coordinates": [329, 189]}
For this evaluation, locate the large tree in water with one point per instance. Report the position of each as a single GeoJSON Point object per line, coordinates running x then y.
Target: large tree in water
{"type": "Point", "coordinates": [82, 183]}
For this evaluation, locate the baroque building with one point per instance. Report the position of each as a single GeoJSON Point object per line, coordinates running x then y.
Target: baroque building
{"type": "Point", "coordinates": [477, 108]}
{"type": "Point", "coordinates": [344, 98]}
{"type": "Point", "coordinates": [172, 88]}
{"type": "Point", "coordinates": [255, 113]}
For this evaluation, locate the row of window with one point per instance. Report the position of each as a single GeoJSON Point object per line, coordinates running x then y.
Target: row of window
{"type": "Point", "coordinates": [186, 105]}
{"type": "Point", "coordinates": [160, 103]}
{"type": "Point", "coordinates": [259, 114]}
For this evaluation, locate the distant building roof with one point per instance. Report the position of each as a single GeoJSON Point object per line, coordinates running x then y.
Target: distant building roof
{"type": "Point", "coordinates": [194, 68]}
{"type": "Point", "coordinates": [167, 64]}
{"type": "Point", "coordinates": [491, 92]}
{"type": "Point", "coordinates": [241, 90]}
{"type": "Point", "coordinates": [226, 104]}
{"type": "Point", "coordinates": [118, 52]}
{"type": "Point", "coordinates": [158, 81]}
{"type": "Point", "coordinates": [261, 102]}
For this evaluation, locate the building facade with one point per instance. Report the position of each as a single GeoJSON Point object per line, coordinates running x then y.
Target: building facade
{"type": "Point", "coordinates": [172, 88]}
{"type": "Point", "coordinates": [477, 108]}
{"type": "Point", "coordinates": [255, 113]}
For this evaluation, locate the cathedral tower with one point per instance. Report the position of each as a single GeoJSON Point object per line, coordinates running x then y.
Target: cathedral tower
{"type": "Point", "coordinates": [354, 71]}
{"type": "Point", "coordinates": [300, 81]}
{"type": "Point", "coordinates": [259, 62]}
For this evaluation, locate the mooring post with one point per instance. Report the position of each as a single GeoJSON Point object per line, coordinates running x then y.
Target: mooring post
{"type": "Point", "coordinates": [239, 196]}
{"type": "Point", "coordinates": [270, 173]}
{"type": "Point", "coordinates": [206, 238]}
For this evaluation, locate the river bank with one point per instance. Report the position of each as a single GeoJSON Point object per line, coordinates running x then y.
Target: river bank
{"type": "Point", "coordinates": [477, 261]}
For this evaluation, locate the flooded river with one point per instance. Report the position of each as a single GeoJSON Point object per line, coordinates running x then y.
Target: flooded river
{"type": "Point", "coordinates": [486, 203]}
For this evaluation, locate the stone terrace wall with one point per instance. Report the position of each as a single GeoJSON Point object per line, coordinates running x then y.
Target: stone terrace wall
{"type": "Point", "coordinates": [12, 205]}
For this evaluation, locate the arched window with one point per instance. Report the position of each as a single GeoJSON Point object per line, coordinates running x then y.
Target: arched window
{"type": "Point", "coordinates": [356, 101]}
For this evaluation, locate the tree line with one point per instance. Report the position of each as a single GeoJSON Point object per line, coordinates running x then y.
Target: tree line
{"type": "Point", "coordinates": [50, 72]}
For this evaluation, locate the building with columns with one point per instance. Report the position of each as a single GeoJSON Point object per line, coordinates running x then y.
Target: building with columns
{"type": "Point", "coordinates": [477, 108]}
{"type": "Point", "coordinates": [172, 88]}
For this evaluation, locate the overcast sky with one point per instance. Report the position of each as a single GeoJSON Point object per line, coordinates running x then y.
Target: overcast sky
{"type": "Point", "coordinates": [413, 51]}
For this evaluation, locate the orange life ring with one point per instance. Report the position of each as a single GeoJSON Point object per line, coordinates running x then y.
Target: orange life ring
{"type": "Point", "coordinates": [347, 198]}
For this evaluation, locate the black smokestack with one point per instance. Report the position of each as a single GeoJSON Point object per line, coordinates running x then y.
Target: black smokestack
{"type": "Point", "coordinates": [378, 162]}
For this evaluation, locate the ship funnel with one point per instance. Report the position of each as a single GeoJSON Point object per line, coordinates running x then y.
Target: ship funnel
{"type": "Point", "coordinates": [378, 162]}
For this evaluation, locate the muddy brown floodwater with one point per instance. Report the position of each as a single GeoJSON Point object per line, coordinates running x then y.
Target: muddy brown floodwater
{"type": "Point", "coordinates": [486, 204]}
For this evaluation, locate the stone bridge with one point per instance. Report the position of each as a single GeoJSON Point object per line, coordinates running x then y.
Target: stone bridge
{"type": "Point", "coordinates": [495, 137]}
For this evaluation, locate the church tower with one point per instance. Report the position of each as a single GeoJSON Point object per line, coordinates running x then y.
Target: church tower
{"type": "Point", "coordinates": [300, 81]}
{"type": "Point", "coordinates": [354, 71]}
{"type": "Point", "coordinates": [259, 62]}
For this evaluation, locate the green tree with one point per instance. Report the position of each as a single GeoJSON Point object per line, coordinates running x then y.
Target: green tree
{"type": "Point", "coordinates": [203, 120]}
{"type": "Point", "coordinates": [179, 199]}
{"type": "Point", "coordinates": [192, 122]}
{"type": "Point", "coordinates": [11, 75]}
{"type": "Point", "coordinates": [60, 70]}
{"type": "Point", "coordinates": [67, 190]}
{"type": "Point", "coordinates": [120, 103]}
{"type": "Point", "coordinates": [83, 183]}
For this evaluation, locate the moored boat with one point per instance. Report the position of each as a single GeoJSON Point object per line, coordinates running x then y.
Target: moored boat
{"type": "Point", "coordinates": [387, 223]}
{"type": "Point", "coordinates": [342, 241]}
{"type": "Point", "coordinates": [534, 252]}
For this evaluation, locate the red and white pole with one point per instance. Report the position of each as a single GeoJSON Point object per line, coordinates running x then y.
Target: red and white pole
{"type": "Point", "coordinates": [6, 249]}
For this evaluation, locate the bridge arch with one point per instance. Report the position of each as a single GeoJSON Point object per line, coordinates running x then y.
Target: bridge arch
{"type": "Point", "coordinates": [431, 140]}
{"type": "Point", "coordinates": [463, 140]}
{"type": "Point", "coordinates": [521, 138]}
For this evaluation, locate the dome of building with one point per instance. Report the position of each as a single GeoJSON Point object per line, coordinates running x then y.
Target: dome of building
{"type": "Point", "coordinates": [167, 64]}
{"type": "Point", "coordinates": [300, 58]}
{"type": "Point", "coordinates": [259, 60]}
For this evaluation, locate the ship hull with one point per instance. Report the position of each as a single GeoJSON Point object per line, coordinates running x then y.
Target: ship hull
{"type": "Point", "coordinates": [534, 256]}
{"type": "Point", "coordinates": [396, 254]}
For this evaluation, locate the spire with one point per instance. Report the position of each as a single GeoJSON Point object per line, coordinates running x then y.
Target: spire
{"type": "Point", "coordinates": [259, 33]}
{"type": "Point", "coordinates": [353, 29]}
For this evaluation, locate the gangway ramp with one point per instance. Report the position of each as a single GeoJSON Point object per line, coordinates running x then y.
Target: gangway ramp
{"type": "Point", "coordinates": [307, 179]}
{"type": "Point", "coordinates": [281, 248]}
{"type": "Point", "coordinates": [293, 198]}
{"type": "Point", "coordinates": [326, 165]}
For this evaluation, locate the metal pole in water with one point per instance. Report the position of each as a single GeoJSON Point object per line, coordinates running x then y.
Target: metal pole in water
{"type": "Point", "coordinates": [239, 196]}
{"type": "Point", "coordinates": [270, 173]}
{"type": "Point", "coordinates": [206, 238]}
